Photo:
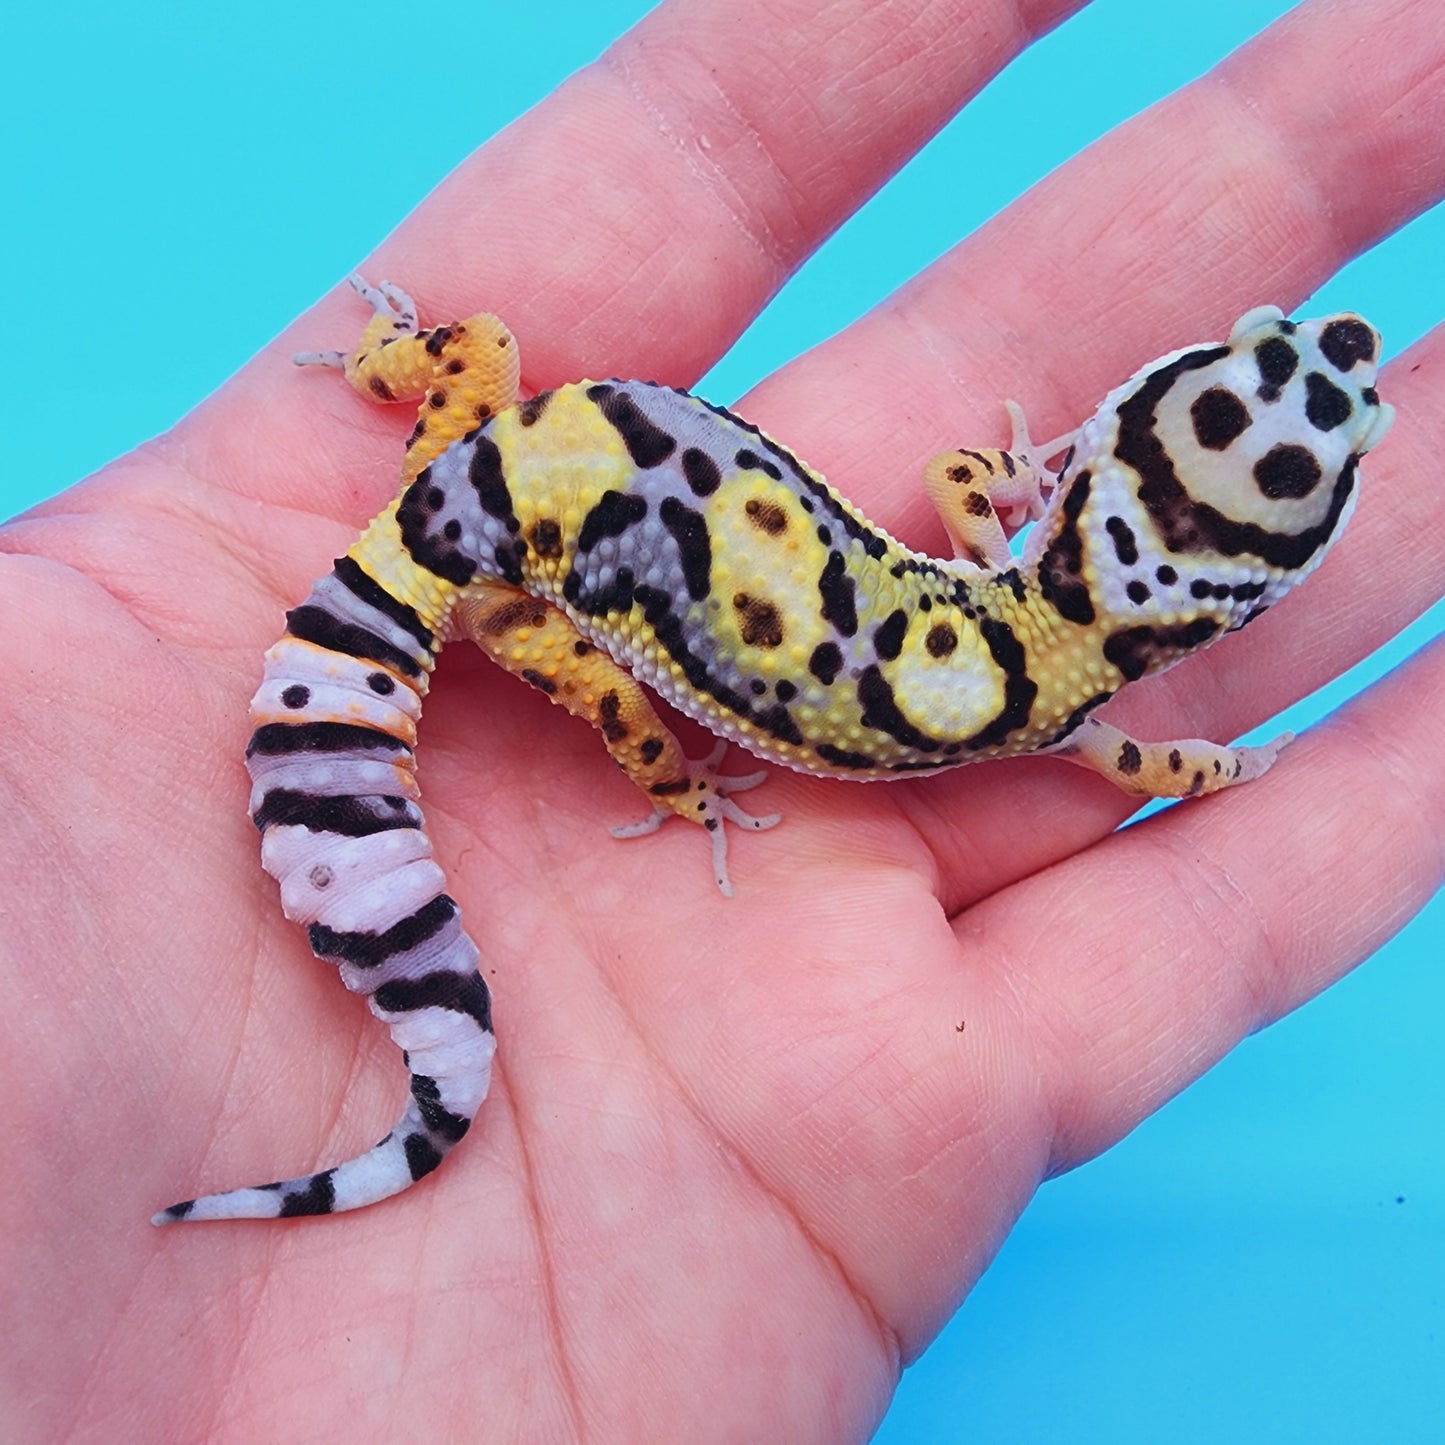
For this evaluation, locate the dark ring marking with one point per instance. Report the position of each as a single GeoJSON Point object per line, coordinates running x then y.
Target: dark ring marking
{"type": "Point", "coordinates": [311, 623]}
{"type": "Point", "coordinates": [275, 739]}
{"type": "Point", "coordinates": [459, 993]}
{"type": "Point", "coordinates": [370, 949]}
{"type": "Point", "coordinates": [363, 585]}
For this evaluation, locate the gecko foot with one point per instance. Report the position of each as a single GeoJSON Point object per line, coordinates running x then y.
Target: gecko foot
{"type": "Point", "coordinates": [706, 800]}
{"type": "Point", "coordinates": [388, 302]}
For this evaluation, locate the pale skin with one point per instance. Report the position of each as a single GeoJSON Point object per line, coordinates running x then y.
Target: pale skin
{"type": "Point", "coordinates": [742, 1158]}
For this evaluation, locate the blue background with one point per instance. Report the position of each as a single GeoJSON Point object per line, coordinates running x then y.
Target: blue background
{"type": "Point", "coordinates": [1262, 1260]}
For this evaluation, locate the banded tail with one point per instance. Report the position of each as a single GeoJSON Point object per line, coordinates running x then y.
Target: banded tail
{"type": "Point", "coordinates": [335, 798]}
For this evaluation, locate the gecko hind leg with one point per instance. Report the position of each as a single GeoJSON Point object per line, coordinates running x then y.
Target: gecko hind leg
{"type": "Point", "coordinates": [542, 645]}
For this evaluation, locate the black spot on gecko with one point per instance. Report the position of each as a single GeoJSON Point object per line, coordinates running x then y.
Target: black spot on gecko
{"type": "Point", "coordinates": [703, 474]}
{"type": "Point", "coordinates": [651, 750]}
{"type": "Point", "coordinates": [381, 684]}
{"type": "Point", "coordinates": [414, 517]}
{"type": "Point", "coordinates": [1013, 580]}
{"type": "Point", "coordinates": [841, 758]}
{"type": "Point", "coordinates": [750, 461]}
{"type": "Point", "coordinates": [348, 817]}
{"type": "Point", "coordinates": [380, 389]}
{"type": "Point", "coordinates": [609, 710]}
{"type": "Point", "coordinates": [538, 680]}
{"type": "Point", "coordinates": [1131, 760]}
{"type": "Point", "coordinates": [1287, 471]}
{"type": "Point", "coordinates": [296, 696]}
{"type": "Point", "coordinates": [837, 590]}
{"type": "Point", "coordinates": [646, 442]}
{"type": "Point", "coordinates": [785, 691]}
{"type": "Point", "coordinates": [1277, 361]}
{"type": "Point", "coordinates": [1126, 547]}
{"type": "Point", "coordinates": [277, 739]}
{"type": "Point", "coordinates": [1176, 760]}
{"type": "Point", "coordinates": [1347, 341]}
{"type": "Point", "coordinates": [438, 1119]}
{"type": "Point", "coordinates": [1326, 406]}
{"type": "Point", "coordinates": [689, 530]}
{"type": "Point", "coordinates": [888, 636]}
{"type": "Point", "coordinates": [1219, 416]}
{"type": "Point", "coordinates": [826, 662]}
{"type": "Point", "coordinates": [778, 722]}
{"type": "Point", "coordinates": [547, 539]}
{"type": "Point", "coordinates": [881, 711]}
{"type": "Point", "coordinates": [1167, 575]}
{"type": "Point", "coordinates": [1062, 561]}
{"type": "Point", "coordinates": [530, 411]}
{"type": "Point", "coordinates": [1138, 592]}
{"type": "Point", "coordinates": [614, 513]}
{"type": "Point", "coordinates": [487, 479]}
{"type": "Point", "coordinates": [1135, 650]}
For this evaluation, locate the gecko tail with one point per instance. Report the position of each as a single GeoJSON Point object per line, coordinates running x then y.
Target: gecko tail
{"type": "Point", "coordinates": [335, 798]}
{"type": "Point", "coordinates": [440, 1111]}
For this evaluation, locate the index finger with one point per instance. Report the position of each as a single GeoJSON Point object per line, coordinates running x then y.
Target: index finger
{"type": "Point", "coordinates": [635, 222]}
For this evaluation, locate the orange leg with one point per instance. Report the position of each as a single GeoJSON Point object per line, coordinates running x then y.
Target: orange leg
{"type": "Point", "coordinates": [541, 645]}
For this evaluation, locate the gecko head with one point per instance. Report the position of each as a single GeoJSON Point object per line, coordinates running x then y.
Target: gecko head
{"type": "Point", "coordinates": [1263, 436]}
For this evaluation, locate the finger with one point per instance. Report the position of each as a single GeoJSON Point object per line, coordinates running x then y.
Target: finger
{"type": "Point", "coordinates": [1224, 929]}
{"type": "Point", "coordinates": [1262, 149]}
{"type": "Point", "coordinates": [636, 220]}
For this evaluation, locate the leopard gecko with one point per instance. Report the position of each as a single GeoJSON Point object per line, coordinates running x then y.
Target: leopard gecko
{"type": "Point", "coordinates": [609, 534]}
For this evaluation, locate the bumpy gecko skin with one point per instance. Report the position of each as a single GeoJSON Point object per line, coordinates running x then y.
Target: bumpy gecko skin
{"type": "Point", "coordinates": [616, 533]}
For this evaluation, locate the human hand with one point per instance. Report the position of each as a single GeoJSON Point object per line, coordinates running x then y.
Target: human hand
{"type": "Point", "coordinates": [740, 1160]}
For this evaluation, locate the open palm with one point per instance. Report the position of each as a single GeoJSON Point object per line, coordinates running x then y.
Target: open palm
{"type": "Point", "coordinates": [741, 1159]}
